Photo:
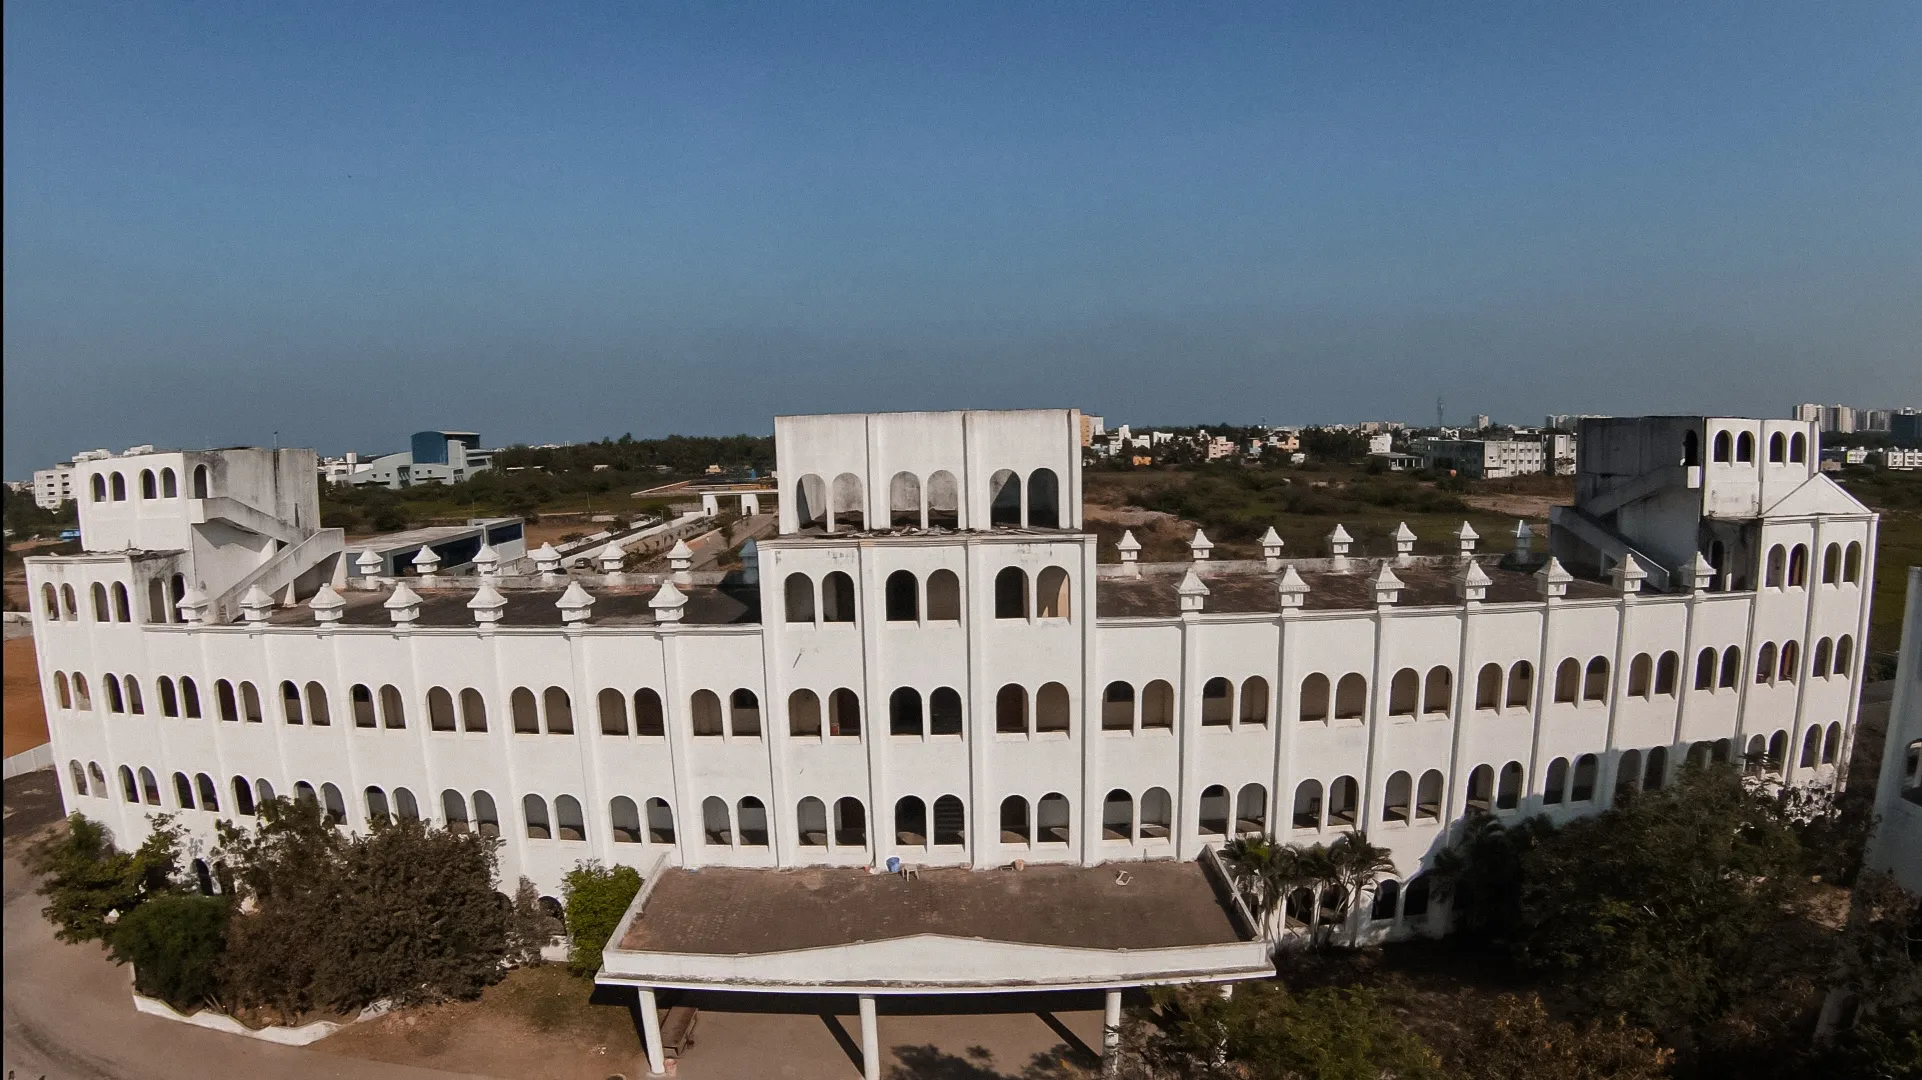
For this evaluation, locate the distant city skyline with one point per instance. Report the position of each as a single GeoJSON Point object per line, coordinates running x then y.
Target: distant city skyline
{"type": "Point", "coordinates": [549, 225]}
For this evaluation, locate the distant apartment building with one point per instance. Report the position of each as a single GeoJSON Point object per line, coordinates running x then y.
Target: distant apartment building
{"type": "Point", "coordinates": [1831, 419]}
{"type": "Point", "coordinates": [1091, 429]}
{"type": "Point", "coordinates": [1220, 446]}
{"type": "Point", "coordinates": [1872, 420]}
{"type": "Point", "coordinates": [1558, 453]}
{"type": "Point", "coordinates": [1905, 427]}
{"type": "Point", "coordinates": [1896, 457]}
{"type": "Point", "coordinates": [1483, 459]}
{"type": "Point", "coordinates": [435, 457]}
{"type": "Point", "coordinates": [1381, 444]}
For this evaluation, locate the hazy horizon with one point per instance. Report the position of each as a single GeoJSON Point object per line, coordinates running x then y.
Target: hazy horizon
{"type": "Point", "coordinates": [348, 223]}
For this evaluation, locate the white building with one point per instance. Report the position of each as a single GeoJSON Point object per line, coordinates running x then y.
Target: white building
{"type": "Point", "coordinates": [1896, 843]}
{"type": "Point", "coordinates": [933, 666]}
{"type": "Point", "coordinates": [52, 487]}
{"type": "Point", "coordinates": [1483, 459]}
{"type": "Point", "coordinates": [1896, 457]}
{"type": "Point", "coordinates": [435, 457]}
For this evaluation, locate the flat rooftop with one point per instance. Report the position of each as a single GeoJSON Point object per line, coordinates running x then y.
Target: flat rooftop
{"type": "Point", "coordinates": [1156, 595]}
{"type": "Point", "coordinates": [614, 605]}
{"type": "Point", "coordinates": [744, 912]}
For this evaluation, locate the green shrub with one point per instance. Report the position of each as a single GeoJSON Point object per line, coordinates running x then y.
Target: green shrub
{"type": "Point", "coordinates": [174, 944]}
{"type": "Point", "coordinates": [597, 897]}
{"type": "Point", "coordinates": [85, 877]}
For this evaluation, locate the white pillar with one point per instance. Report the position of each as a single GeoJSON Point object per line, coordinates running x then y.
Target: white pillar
{"type": "Point", "coordinates": [870, 1040]}
{"type": "Point", "coordinates": [1111, 1033]}
{"type": "Point", "coordinates": [651, 1033]}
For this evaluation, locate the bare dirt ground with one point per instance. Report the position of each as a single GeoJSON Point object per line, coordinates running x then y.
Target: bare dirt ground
{"type": "Point", "coordinates": [26, 717]}
{"type": "Point", "coordinates": [1516, 505]}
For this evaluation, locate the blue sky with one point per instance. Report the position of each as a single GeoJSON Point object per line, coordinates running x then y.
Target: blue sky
{"type": "Point", "coordinates": [348, 222]}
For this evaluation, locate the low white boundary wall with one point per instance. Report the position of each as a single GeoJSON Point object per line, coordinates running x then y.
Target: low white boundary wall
{"type": "Point", "coordinates": [40, 757]}
{"type": "Point", "coordinates": [285, 1036]}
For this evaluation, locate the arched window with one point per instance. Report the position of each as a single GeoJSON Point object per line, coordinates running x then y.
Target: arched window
{"type": "Point", "coordinates": [944, 501]}
{"type": "Point", "coordinates": [189, 698]}
{"type": "Point", "coordinates": [1387, 898]}
{"type": "Point", "coordinates": [904, 501]}
{"type": "Point", "coordinates": [1351, 697]}
{"type": "Point", "coordinates": [1844, 650]}
{"type": "Point", "coordinates": [1314, 697]}
{"type": "Point", "coordinates": [1691, 449]}
{"type": "Point", "coordinates": [1731, 667]}
{"type": "Point", "coordinates": [613, 709]}
{"type": "Point", "coordinates": [1722, 447]}
{"type": "Point", "coordinates": [1213, 816]}
{"type": "Point", "coordinates": [149, 787]}
{"type": "Point", "coordinates": [1011, 710]}
{"type": "Point", "coordinates": [99, 488]}
{"type": "Point", "coordinates": [243, 796]}
{"type": "Point", "coordinates": [1118, 707]}
{"type": "Point", "coordinates": [950, 822]}
{"type": "Point", "coordinates": [1568, 681]}
{"type": "Point", "coordinates": [201, 484]}
{"type": "Point", "coordinates": [904, 712]}
{"type": "Point", "coordinates": [744, 714]}
{"type": "Point", "coordinates": [1745, 447]}
{"type": "Point", "coordinates": [334, 806]}
{"type": "Point", "coordinates": [1429, 796]}
{"type": "Point", "coordinates": [290, 710]}
{"type": "Point", "coordinates": [1307, 812]}
{"type": "Point", "coordinates": [1831, 563]}
{"type": "Point", "coordinates": [1521, 685]}
{"type": "Point", "coordinates": [1404, 693]}
{"type": "Point", "coordinates": [798, 593]}
{"type": "Point", "coordinates": [392, 714]}
{"type": "Point", "coordinates": [527, 713]}
{"type": "Point", "coordinates": [68, 602]}
{"type": "Point", "coordinates": [810, 501]}
{"type": "Point", "coordinates": [209, 793]}
{"type": "Point", "coordinates": [570, 823]}
{"type": "Point", "coordinates": [101, 613]}
{"type": "Point", "coordinates": [1344, 801]}
{"type": "Point", "coordinates": [1775, 567]}
{"type": "Point", "coordinates": [122, 610]}
{"type": "Point", "coordinates": [1852, 562]}
{"type": "Point", "coordinates": [1157, 812]}
{"type": "Point", "coordinates": [82, 698]}
{"type": "Point", "coordinates": [910, 822]}
{"type": "Point", "coordinates": [660, 822]}
{"type": "Point", "coordinates": [49, 602]}
{"type": "Point", "coordinates": [1765, 663]}
{"type": "Point", "coordinates": [560, 711]}
{"type": "Point", "coordinates": [1595, 681]}
{"type": "Point", "coordinates": [453, 810]}
{"type": "Point", "coordinates": [149, 486]}
{"type": "Point", "coordinates": [1778, 751]}
{"type": "Point", "coordinates": [1254, 700]}
{"type": "Point", "coordinates": [1044, 500]}
{"type": "Point", "coordinates": [1640, 675]}
{"type": "Point", "coordinates": [60, 691]}
{"type": "Point", "coordinates": [751, 818]}
{"type": "Point", "coordinates": [650, 718]}
{"type": "Point", "coordinates": [850, 507]}
{"type": "Point", "coordinates": [1004, 498]}
{"type": "Point", "coordinates": [1819, 660]}
{"type": "Point", "coordinates": [1811, 747]}
{"type": "Point", "coordinates": [1118, 816]}
{"type": "Point", "coordinates": [1397, 797]}
{"type": "Point", "coordinates": [944, 596]}
{"type": "Point", "coordinates": [363, 700]}
{"type": "Point", "coordinates": [1508, 793]}
{"type": "Point", "coordinates": [837, 598]}
{"type": "Point", "coordinates": [78, 775]}
{"type": "Point", "coordinates": [224, 700]}
{"type": "Point", "coordinates": [317, 713]}
{"type": "Point", "coordinates": [1655, 773]}
{"type": "Point", "coordinates": [1014, 820]}
{"type": "Point", "coordinates": [1705, 670]}
{"type": "Point", "coordinates": [706, 712]}
{"type": "Point", "coordinates": [1158, 706]}
{"type": "Point", "coordinates": [1481, 788]}
{"type": "Point", "coordinates": [130, 792]}
{"type": "Point", "coordinates": [1798, 448]}
{"type": "Point", "coordinates": [844, 714]}
{"type": "Point", "coordinates": [1584, 786]}
{"type": "Point", "coordinates": [1051, 708]}
{"type": "Point", "coordinates": [134, 704]}
{"type": "Point", "coordinates": [534, 809]}
{"type": "Point", "coordinates": [1555, 783]}
{"type": "Point", "coordinates": [1831, 743]}
{"type": "Point", "coordinates": [1488, 688]}
{"type": "Point", "coordinates": [1011, 593]}
{"type": "Point", "coordinates": [115, 703]}
{"type": "Point", "coordinates": [1051, 820]}
{"type": "Point", "coordinates": [1791, 660]}
{"type": "Point", "coordinates": [1628, 775]}
{"type": "Point", "coordinates": [263, 791]}
{"type": "Point", "coordinates": [1798, 566]}
{"type": "Point", "coordinates": [119, 483]}
{"type": "Point", "coordinates": [1437, 690]}
{"type": "Point", "coordinates": [1052, 594]}
{"type": "Point", "coordinates": [156, 600]}
{"type": "Point", "coordinates": [903, 597]}
{"type": "Point", "coordinates": [1666, 669]}
{"type": "Point", "coordinates": [1217, 702]}
{"type": "Point", "coordinates": [804, 721]}
{"type": "Point", "coordinates": [377, 813]}
{"type": "Point", "coordinates": [1778, 449]}
{"type": "Point", "coordinates": [250, 703]}
{"type": "Point", "coordinates": [169, 486]}
{"type": "Point", "coordinates": [183, 790]}
{"type": "Point", "coordinates": [850, 822]}
{"type": "Point", "coordinates": [811, 822]}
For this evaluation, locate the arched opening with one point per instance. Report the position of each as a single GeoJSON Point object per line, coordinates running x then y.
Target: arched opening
{"type": "Point", "coordinates": [1254, 700]}
{"type": "Point", "coordinates": [122, 610]}
{"type": "Point", "coordinates": [844, 713]}
{"type": "Point", "coordinates": [149, 787]}
{"type": "Point", "coordinates": [60, 691]}
{"type": "Point", "coordinates": [1831, 743]}
{"type": "Point", "coordinates": [624, 819]}
{"type": "Point", "coordinates": [1691, 449]}
{"type": "Point", "coordinates": [1745, 448]}
{"type": "Point", "coordinates": [910, 822]}
{"type": "Point", "coordinates": [83, 699]}
{"type": "Point", "coordinates": [134, 704]}
{"type": "Point", "coordinates": [169, 486]}
{"type": "Point", "coordinates": [1798, 448]}
{"type": "Point", "coordinates": [101, 612]}
{"type": "Point", "coordinates": [660, 822]}
{"type": "Point", "coordinates": [1481, 788]}
{"type": "Point", "coordinates": [1508, 793]}
{"type": "Point", "coordinates": [225, 702]}
{"type": "Point", "coordinates": [1778, 449]}
{"type": "Point", "coordinates": [1213, 818]}
{"type": "Point", "coordinates": [1051, 822]}
{"type": "Point", "coordinates": [1555, 783]}
{"type": "Point", "coordinates": [1157, 815]}
{"type": "Point", "coordinates": [1404, 693]}
{"type": "Point", "coordinates": [119, 483]}
{"type": "Point", "coordinates": [149, 486]}
{"type": "Point", "coordinates": [392, 715]}
{"type": "Point", "coordinates": [804, 721]}
{"type": "Point", "coordinates": [1798, 566]}
{"type": "Point", "coordinates": [1118, 816]}
{"type": "Point", "coordinates": [201, 484]}
{"type": "Point", "coordinates": [1437, 690]}
{"type": "Point", "coordinates": [1595, 680]}
{"type": "Point", "coordinates": [183, 789]}
{"type": "Point", "coordinates": [250, 703]}
{"type": "Point", "coordinates": [1307, 812]}
{"type": "Point", "coordinates": [50, 602]}
{"type": "Point", "coordinates": [1158, 706]}
{"type": "Point", "coordinates": [1251, 810]}
{"type": "Point", "coordinates": [1583, 790]}
{"type": "Point", "coordinates": [849, 512]}
{"type": "Point", "coordinates": [334, 806]}
{"type": "Point", "coordinates": [1731, 667]}
{"type": "Point", "coordinates": [1397, 798]}
{"type": "Point", "coordinates": [570, 823]}
{"type": "Point", "coordinates": [612, 706]}
{"type": "Point", "coordinates": [837, 598]}
{"type": "Point", "coordinates": [290, 709]}
{"type": "Point", "coordinates": [1831, 564]}
{"type": "Point", "coordinates": [1051, 594]}
{"type": "Point", "coordinates": [377, 812]}
{"type": "Point", "coordinates": [1118, 707]}
{"type": "Point", "coordinates": [1044, 500]}
{"type": "Point", "coordinates": [1844, 655]}
{"type": "Point", "coordinates": [944, 596]}
{"type": "Point", "coordinates": [1722, 447]}
{"type": "Point", "coordinates": [1052, 708]}
{"type": "Point", "coordinates": [1004, 499]}
{"type": "Point", "coordinates": [904, 501]}
{"type": "Point", "coordinates": [317, 713]}
{"type": "Point", "coordinates": [405, 808]}
{"type": "Point", "coordinates": [78, 775]}
{"type": "Point", "coordinates": [811, 822]}
{"type": "Point", "coordinates": [944, 501]}
{"type": "Point", "coordinates": [1705, 670]}
{"type": "Point", "coordinates": [744, 715]}
{"type": "Point", "coordinates": [1344, 801]}
{"type": "Point", "coordinates": [950, 822]}
{"type": "Point", "coordinates": [1628, 774]}
{"type": "Point", "coordinates": [705, 710]}
{"type": "Point", "coordinates": [1217, 702]}
{"type": "Point", "coordinates": [559, 709]}
{"type": "Point", "coordinates": [1791, 660]}
{"type": "Point", "coordinates": [1775, 567]}
{"type": "Point", "coordinates": [1351, 697]}
{"type": "Point", "coordinates": [810, 502]}
{"type": "Point", "coordinates": [1488, 688]}
{"type": "Point", "coordinates": [98, 488]}
{"type": "Point", "coordinates": [1387, 897]}
{"type": "Point", "coordinates": [1666, 670]}
{"type": "Point", "coordinates": [440, 709]}
{"type": "Point", "coordinates": [798, 598]}
{"type": "Point", "coordinates": [115, 703]}
{"type": "Point", "coordinates": [1778, 752]}
{"type": "Point", "coordinates": [129, 791]}
{"type": "Point", "coordinates": [904, 712]}
{"type": "Point", "coordinates": [189, 697]}
{"type": "Point", "coordinates": [903, 597]}
{"type": "Point", "coordinates": [1521, 685]}
{"type": "Point", "coordinates": [1568, 681]}
{"type": "Point", "coordinates": [850, 823]}
{"type": "Point", "coordinates": [1011, 593]}
{"type": "Point", "coordinates": [650, 716]}
{"type": "Point", "coordinates": [1852, 562]}
{"type": "Point", "coordinates": [453, 810]}
{"type": "Point", "coordinates": [1765, 663]}
{"type": "Point", "coordinates": [156, 600]}
{"type": "Point", "coordinates": [1314, 697]}
{"type": "Point", "coordinates": [209, 793]}
{"type": "Point", "coordinates": [1811, 747]}
{"type": "Point", "coordinates": [1640, 674]}
{"type": "Point", "coordinates": [1014, 820]}
{"type": "Point", "coordinates": [534, 809]}
{"type": "Point", "coordinates": [1655, 773]}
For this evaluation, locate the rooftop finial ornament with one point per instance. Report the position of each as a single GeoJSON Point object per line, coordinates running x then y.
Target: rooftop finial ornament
{"type": "Point", "coordinates": [427, 564]}
{"type": "Point", "coordinates": [403, 607]}
{"type": "Point", "coordinates": [612, 558]}
{"type": "Point", "coordinates": [1338, 541]}
{"type": "Point", "coordinates": [1471, 582]}
{"type": "Point", "coordinates": [255, 604]}
{"type": "Point", "coordinates": [1130, 550]}
{"type": "Point", "coordinates": [668, 603]}
{"type": "Point", "coordinates": [1628, 575]}
{"type": "Point", "coordinates": [1192, 592]}
{"type": "Point", "coordinates": [1465, 538]}
{"type": "Point", "coordinates": [369, 565]}
{"type": "Point", "coordinates": [488, 605]}
{"type": "Point", "coordinates": [547, 562]}
{"type": "Point", "coordinates": [681, 560]}
{"type": "Point", "coordinates": [576, 604]}
{"type": "Point", "coordinates": [1291, 590]}
{"type": "Point", "coordinates": [1201, 546]}
{"type": "Point", "coordinates": [487, 561]}
{"type": "Point", "coordinates": [326, 604]}
{"type": "Point", "coordinates": [1386, 585]}
{"type": "Point", "coordinates": [1404, 544]}
{"type": "Point", "coordinates": [1271, 549]}
{"type": "Point", "coordinates": [1552, 579]}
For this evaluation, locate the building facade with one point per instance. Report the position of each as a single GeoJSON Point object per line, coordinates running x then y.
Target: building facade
{"type": "Point", "coordinates": [435, 457]}
{"type": "Point", "coordinates": [1896, 844]}
{"type": "Point", "coordinates": [932, 662]}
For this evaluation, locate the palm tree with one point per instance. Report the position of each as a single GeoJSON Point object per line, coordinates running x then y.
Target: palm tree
{"type": "Point", "coordinates": [1356, 865]}
{"type": "Point", "coordinates": [1317, 872]}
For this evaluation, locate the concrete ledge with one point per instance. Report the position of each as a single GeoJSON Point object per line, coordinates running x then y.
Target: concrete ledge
{"type": "Point", "coordinates": [303, 1035]}
{"type": "Point", "coordinates": [40, 757]}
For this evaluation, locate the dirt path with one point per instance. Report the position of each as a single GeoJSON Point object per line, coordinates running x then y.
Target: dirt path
{"type": "Point", "coordinates": [25, 715]}
{"type": "Point", "coordinates": [1521, 506]}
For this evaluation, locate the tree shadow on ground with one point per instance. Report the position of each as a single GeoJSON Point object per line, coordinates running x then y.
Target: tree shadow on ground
{"type": "Point", "coordinates": [1060, 1062]}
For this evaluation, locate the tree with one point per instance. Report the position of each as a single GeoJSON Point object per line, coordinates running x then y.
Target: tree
{"type": "Point", "coordinates": [1355, 866]}
{"type": "Point", "coordinates": [529, 928]}
{"type": "Point", "coordinates": [1878, 975]}
{"type": "Point", "coordinates": [1264, 1032]}
{"type": "Point", "coordinates": [88, 882]}
{"type": "Point", "coordinates": [1481, 876]}
{"type": "Point", "coordinates": [1264, 873]}
{"type": "Point", "coordinates": [597, 898]}
{"type": "Point", "coordinates": [175, 944]}
{"type": "Point", "coordinates": [1515, 1037]}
